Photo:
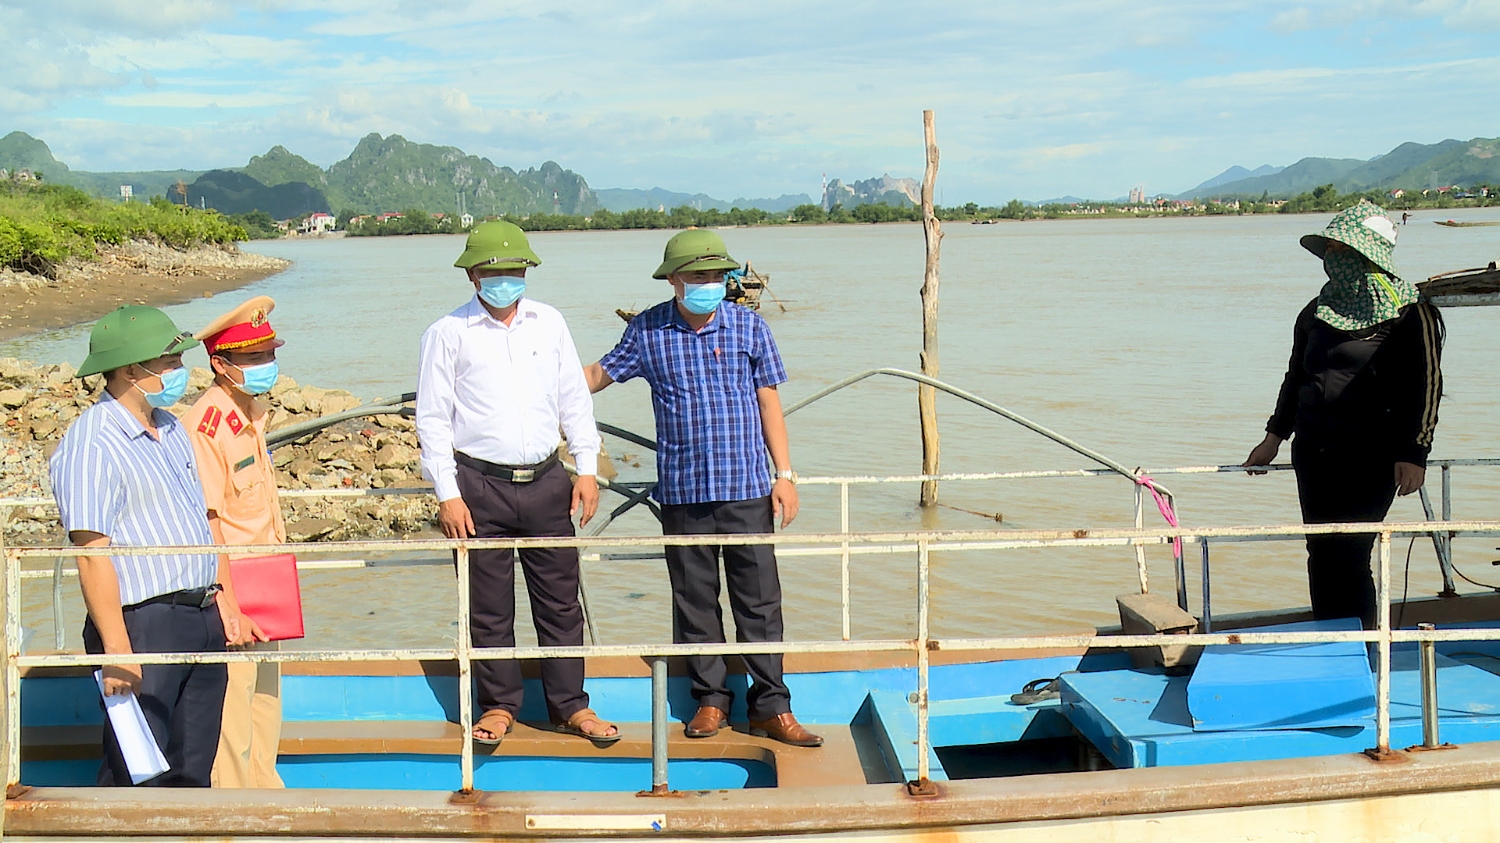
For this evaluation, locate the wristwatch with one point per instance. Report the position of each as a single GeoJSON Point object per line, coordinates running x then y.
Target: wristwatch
{"type": "Point", "coordinates": [787, 475]}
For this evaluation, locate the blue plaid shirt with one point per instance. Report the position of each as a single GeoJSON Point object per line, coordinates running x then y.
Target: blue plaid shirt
{"type": "Point", "coordinates": [709, 439]}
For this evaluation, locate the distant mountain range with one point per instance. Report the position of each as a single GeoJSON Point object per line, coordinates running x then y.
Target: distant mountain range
{"type": "Point", "coordinates": [381, 174]}
{"type": "Point", "coordinates": [1238, 173]}
{"type": "Point", "coordinates": [1410, 166]}
{"type": "Point", "coordinates": [627, 199]}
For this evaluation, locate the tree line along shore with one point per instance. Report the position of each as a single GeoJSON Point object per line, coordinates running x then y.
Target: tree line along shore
{"type": "Point", "coordinates": [1323, 199]}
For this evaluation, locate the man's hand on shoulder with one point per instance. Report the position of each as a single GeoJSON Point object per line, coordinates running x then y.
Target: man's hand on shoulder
{"type": "Point", "coordinates": [585, 497]}
{"type": "Point", "coordinates": [454, 519]}
{"type": "Point", "coordinates": [784, 501]}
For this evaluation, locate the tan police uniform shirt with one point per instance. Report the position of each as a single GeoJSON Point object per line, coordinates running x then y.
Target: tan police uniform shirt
{"type": "Point", "coordinates": [234, 466]}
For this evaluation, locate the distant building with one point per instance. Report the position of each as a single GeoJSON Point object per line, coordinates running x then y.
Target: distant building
{"type": "Point", "coordinates": [389, 215]}
{"type": "Point", "coordinates": [317, 223]}
{"type": "Point", "coordinates": [1397, 193]}
{"type": "Point", "coordinates": [466, 220]}
{"type": "Point", "coordinates": [1137, 195]}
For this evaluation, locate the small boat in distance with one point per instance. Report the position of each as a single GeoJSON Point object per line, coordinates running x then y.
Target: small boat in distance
{"type": "Point", "coordinates": [1457, 224]}
{"type": "Point", "coordinates": [743, 287]}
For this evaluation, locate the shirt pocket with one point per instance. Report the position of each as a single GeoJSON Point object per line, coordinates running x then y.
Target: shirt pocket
{"type": "Point", "coordinates": [247, 483]}
{"type": "Point", "coordinates": [732, 360]}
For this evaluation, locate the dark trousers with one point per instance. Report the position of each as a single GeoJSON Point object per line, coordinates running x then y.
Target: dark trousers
{"type": "Point", "coordinates": [182, 702]}
{"type": "Point", "coordinates": [1342, 484]}
{"type": "Point", "coordinates": [502, 509]}
{"type": "Point", "coordinates": [754, 599]}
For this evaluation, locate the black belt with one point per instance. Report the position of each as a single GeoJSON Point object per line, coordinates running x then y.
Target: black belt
{"type": "Point", "coordinates": [512, 473]}
{"type": "Point", "coordinates": [200, 598]}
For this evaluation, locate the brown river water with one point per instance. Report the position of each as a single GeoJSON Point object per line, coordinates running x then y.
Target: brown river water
{"type": "Point", "coordinates": [1158, 342]}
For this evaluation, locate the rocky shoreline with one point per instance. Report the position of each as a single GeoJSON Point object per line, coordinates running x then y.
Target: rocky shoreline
{"type": "Point", "coordinates": [137, 272]}
{"type": "Point", "coordinates": [38, 402]}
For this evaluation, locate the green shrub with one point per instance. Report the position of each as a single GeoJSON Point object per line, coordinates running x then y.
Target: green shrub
{"type": "Point", "coordinates": [42, 226]}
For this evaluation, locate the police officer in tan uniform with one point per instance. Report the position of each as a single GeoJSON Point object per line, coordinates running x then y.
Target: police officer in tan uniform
{"type": "Point", "coordinates": [227, 427]}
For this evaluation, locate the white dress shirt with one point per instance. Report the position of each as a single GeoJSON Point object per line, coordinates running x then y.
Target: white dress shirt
{"type": "Point", "coordinates": [501, 392]}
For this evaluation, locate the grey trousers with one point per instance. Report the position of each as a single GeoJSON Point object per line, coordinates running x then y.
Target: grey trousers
{"type": "Point", "coordinates": [754, 599]}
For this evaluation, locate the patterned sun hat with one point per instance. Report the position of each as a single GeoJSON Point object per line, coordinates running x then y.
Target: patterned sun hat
{"type": "Point", "coordinates": [1364, 228]}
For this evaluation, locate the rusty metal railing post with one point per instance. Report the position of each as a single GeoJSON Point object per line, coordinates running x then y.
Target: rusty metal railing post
{"type": "Point", "coordinates": [924, 772]}
{"type": "Point", "coordinates": [659, 785]}
{"type": "Point", "coordinates": [462, 645]}
{"type": "Point", "coordinates": [844, 557]}
{"type": "Point", "coordinates": [1383, 649]}
{"type": "Point", "coordinates": [59, 636]}
{"type": "Point", "coordinates": [1442, 545]}
{"type": "Point", "coordinates": [1449, 588]}
{"type": "Point", "coordinates": [1428, 649]}
{"type": "Point", "coordinates": [1208, 604]}
{"type": "Point", "coordinates": [1140, 549]}
{"type": "Point", "coordinates": [12, 609]}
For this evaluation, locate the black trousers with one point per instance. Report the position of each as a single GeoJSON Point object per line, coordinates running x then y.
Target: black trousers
{"type": "Point", "coordinates": [1340, 483]}
{"type": "Point", "coordinates": [754, 599]}
{"type": "Point", "coordinates": [502, 509]}
{"type": "Point", "coordinates": [182, 702]}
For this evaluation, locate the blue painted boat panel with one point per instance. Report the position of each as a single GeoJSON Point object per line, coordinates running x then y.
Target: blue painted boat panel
{"type": "Point", "coordinates": [1139, 718]}
{"type": "Point", "coordinates": [433, 772]}
{"type": "Point", "coordinates": [440, 772]}
{"type": "Point", "coordinates": [1283, 686]}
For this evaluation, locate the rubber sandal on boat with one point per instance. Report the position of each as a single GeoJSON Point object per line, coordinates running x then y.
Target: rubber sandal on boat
{"type": "Point", "coordinates": [574, 726]}
{"type": "Point", "coordinates": [496, 721]}
{"type": "Point", "coordinates": [1037, 690]}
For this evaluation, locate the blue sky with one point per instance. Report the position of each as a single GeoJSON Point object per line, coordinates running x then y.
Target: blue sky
{"type": "Point", "coordinates": [1033, 100]}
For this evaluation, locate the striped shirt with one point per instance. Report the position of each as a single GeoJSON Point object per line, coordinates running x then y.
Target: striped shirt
{"type": "Point", "coordinates": [710, 446]}
{"type": "Point", "coordinates": [111, 476]}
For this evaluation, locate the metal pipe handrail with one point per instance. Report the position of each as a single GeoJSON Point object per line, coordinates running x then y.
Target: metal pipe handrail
{"type": "Point", "coordinates": [934, 538]}
{"type": "Point", "coordinates": [1383, 637]}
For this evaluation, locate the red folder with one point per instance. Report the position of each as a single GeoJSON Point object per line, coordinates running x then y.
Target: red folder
{"type": "Point", "coordinates": [268, 592]}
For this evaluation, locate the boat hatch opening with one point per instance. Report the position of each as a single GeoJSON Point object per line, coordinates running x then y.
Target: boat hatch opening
{"type": "Point", "coordinates": [1020, 758]}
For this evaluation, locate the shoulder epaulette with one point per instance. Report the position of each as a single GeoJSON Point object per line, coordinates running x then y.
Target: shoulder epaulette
{"type": "Point", "coordinates": [209, 426]}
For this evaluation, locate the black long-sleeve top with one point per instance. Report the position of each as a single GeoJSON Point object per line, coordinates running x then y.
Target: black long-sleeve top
{"type": "Point", "coordinates": [1376, 390]}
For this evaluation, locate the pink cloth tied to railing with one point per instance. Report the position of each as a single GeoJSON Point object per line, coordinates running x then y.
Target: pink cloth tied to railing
{"type": "Point", "coordinates": [1165, 507]}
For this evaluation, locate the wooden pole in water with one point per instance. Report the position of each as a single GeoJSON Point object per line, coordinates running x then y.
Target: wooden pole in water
{"type": "Point", "coordinates": [926, 395]}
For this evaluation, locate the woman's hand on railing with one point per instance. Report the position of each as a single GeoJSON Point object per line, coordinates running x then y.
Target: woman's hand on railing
{"type": "Point", "coordinates": [1264, 453]}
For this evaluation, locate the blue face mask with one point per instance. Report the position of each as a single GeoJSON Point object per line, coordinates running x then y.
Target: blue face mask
{"type": "Point", "coordinates": [702, 299]}
{"type": "Point", "coordinates": [258, 379]}
{"type": "Point", "coordinates": [173, 385]}
{"type": "Point", "coordinates": [501, 291]}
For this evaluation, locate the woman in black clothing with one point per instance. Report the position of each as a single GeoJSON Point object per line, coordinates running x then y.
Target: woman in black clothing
{"type": "Point", "coordinates": [1361, 397]}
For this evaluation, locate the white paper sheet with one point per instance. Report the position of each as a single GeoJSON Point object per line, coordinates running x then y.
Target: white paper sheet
{"type": "Point", "coordinates": [142, 756]}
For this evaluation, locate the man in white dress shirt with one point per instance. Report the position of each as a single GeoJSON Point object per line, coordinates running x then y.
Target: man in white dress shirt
{"type": "Point", "coordinates": [498, 378]}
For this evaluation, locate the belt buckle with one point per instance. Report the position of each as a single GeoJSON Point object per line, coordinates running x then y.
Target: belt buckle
{"type": "Point", "coordinates": [522, 475]}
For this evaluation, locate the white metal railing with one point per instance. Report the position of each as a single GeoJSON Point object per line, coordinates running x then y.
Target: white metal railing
{"type": "Point", "coordinates": [1442, 540]}
{"type": "Point", "coordinates": [923, 542]}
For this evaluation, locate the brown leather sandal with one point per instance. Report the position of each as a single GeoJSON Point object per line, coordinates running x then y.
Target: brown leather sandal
{"type": "Point", "coordinates": [496, 721]}
{"type": "Point", "coordinates": [575, 726]}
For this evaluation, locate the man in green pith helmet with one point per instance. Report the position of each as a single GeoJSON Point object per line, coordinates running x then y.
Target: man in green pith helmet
{"type": "Point", "coordinates": [713, 368]}
{"type": "Point", "coordinates": [498, 378]}
{"type": "Point", "coordinates": [124, 474]}
{"type": "Point", "coordinates": [1360, 397]}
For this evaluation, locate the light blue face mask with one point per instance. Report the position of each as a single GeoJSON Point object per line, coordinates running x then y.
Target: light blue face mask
{"type": "Point", "coordinates": [258, 379]}
{"type": "Point", "coordinates": [173, 385]}
{"type": "Point", "coordinates": [702, 299]}
{"type": "Point", "coordinates": [501, 291]}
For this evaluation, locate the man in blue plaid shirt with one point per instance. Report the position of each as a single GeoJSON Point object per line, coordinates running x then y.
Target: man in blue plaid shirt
{"type": "Point", "coordinates": [713, 368]}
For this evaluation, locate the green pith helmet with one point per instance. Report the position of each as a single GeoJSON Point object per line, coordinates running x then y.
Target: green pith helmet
{"type": "Point", "coordinates": [498, 244]}
{"type": "Point", "coordinates": [1364, 228]}
{"type": "Point", "coordinates": [132, 334]}
{"type": "Point", "coordinates": [694, 250]}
